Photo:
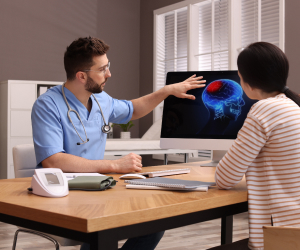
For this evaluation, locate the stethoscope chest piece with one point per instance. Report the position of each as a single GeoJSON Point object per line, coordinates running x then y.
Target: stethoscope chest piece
{"type": "Point", "coordinates": [106, 128]}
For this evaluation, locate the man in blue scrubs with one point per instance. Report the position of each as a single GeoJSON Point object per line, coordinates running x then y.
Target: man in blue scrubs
{"type": "Point", "coordinates": [73, 147]}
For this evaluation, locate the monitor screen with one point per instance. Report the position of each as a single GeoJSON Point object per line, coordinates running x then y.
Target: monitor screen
{"type": "Point", "coordinates": [218, 112]}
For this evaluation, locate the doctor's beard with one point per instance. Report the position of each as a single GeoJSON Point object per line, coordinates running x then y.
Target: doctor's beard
{"type": "Point", "coordinates": [94, 87]}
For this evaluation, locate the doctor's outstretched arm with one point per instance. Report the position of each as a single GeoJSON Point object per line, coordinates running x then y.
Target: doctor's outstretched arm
{"type": "Point", "coordinates": [145, 104]}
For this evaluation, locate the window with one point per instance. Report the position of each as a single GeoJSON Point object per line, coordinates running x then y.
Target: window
{"type": "Point", "coordinates": [175, 57]}
{"type": "Point", "coordinates": [208, 34]}
{"type": "Point", "coordinates": [213, 46]}
{"type": "Point", "coordinates": [261, 22]}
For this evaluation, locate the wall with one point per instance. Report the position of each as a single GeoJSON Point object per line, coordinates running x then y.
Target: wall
{"type": "Point", "coordinates": [118, 24]}
{"type": "Point", "coordinates": [35, 33]}
{"type": "Point", "coordinates": [146, 52]}
{"type": "Point", "coordinates": [292, 42]}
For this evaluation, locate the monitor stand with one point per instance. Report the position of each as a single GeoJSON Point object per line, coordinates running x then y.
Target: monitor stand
{"type": "Point", "coordinates": [216, 156]}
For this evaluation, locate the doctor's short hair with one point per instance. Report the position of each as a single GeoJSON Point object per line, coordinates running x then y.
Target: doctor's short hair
{"type": "Point", "coordinates": [79, 54]}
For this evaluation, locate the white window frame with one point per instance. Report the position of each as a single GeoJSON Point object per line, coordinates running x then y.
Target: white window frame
{"type": "Point", "coordinates": [234, 32]}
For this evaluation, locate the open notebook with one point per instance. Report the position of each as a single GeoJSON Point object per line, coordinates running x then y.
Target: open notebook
{"type": "Point", "coordinates": [169, 184]}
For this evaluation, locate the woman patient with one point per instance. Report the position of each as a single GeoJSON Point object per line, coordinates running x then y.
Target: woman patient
{"type": "Point", "coordinates": [267, 148]}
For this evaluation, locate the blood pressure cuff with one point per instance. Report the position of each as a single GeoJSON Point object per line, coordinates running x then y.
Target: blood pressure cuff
{"type": "Point", "coordinates": [91, 183]}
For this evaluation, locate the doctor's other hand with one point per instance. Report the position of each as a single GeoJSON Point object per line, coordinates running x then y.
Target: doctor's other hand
{"type": "Point", "coordinates": [128, 163]}
{"type": "Point", "coordinates": [180, 89]}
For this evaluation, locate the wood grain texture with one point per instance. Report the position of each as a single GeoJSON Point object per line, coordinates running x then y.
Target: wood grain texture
{"type": "Point", "coordinates": [278, 238]}
{"type": "Point", "coordinates": [95, 211]}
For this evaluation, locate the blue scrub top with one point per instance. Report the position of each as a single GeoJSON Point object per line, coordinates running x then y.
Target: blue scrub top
{"type": "Point", "coordinates": [53, 132]}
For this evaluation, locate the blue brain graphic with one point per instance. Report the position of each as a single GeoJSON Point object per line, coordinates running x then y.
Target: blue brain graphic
{"type": "Point", "coordinates": [224, 97]}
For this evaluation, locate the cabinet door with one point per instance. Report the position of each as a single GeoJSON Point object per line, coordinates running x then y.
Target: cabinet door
{"type": "Point", "coordinates": [22, 95]}
{"type": "Point", "coordinates": [20, 123]}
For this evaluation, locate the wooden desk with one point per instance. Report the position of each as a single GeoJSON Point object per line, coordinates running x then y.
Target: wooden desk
{"type": "Point", "coordinates": [103, 218]}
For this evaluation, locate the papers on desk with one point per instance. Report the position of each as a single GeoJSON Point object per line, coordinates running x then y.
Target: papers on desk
{"type": "Point", "coordinates": [166, 172]}
{"type": "Point", "coordinates": [71, 176]}
{"type": "Point", "coordinates": [169, 184]}
{"type": "Point", "coordinates": [203, 189]}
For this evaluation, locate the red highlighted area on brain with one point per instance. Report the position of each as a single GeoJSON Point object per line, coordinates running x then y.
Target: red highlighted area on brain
{"type": "Point", "coordinates": [214, 87]}
{"type": "Point", "coordinates": [223, 93]}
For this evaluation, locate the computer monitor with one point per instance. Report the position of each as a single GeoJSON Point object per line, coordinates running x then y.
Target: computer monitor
{"type": "Point", "coordinates": [212, 121]}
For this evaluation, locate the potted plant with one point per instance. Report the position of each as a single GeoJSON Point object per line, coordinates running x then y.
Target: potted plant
{"type": "Point", "coordinates": [125, 133]}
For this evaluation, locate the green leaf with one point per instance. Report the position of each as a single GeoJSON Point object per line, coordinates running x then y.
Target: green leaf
{"type": "Point", "coordinates": [124, 127]}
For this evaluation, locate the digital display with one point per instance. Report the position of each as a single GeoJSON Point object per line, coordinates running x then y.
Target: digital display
{"type": "Point", "coordinates": [52, 178]}
{"type": "Point", "coordinates": [218, 112]}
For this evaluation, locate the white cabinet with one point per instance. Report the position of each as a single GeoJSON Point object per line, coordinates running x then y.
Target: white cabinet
{"type": "Point", "coordinates": [16, 101]}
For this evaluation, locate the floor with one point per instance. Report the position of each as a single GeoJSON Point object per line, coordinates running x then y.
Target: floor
{"type": "Point", "coordinates": [193, 237]}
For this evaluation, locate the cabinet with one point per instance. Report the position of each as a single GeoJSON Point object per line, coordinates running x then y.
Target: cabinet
{"type": "Point", "coordinates": [16, 100]}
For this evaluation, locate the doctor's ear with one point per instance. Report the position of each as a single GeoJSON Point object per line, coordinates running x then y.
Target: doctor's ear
{"type": "Point", "coordinates": [81, 76]}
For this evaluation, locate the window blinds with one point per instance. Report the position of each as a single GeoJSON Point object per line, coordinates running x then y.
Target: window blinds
{"type": "Point", "coordinates": [181, 41]}
{"type": "Point", "coordinates": [172, 44]}
{"type": "Point", "coordinates": [221, 36]}
{"type": "Point", "coordinates": [249, 22]}
{"type": "Point", "coordinates": [270, 21]}
{"type": "Point", "coordinates": [260, 21]}
{"type": "Point", "coordinates": [213, 35]}
{"type": "Point", "coordinates": [205, 36]}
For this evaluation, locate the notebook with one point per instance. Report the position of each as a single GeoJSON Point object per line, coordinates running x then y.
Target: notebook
{"type": "Point", "coordinates": [203, 189]}
{"type": "Point", "coordinates": [169, 183]}
{"type": "Point", "coordinates": [166, 172]}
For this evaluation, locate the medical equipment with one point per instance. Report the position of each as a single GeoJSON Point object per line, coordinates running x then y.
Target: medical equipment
{"type": "Point", "coordinates": [49, 182]}
{"type": "Point", "coordinates": [106, 128]}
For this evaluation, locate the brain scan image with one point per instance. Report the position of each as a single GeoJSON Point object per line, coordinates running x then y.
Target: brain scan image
{"type": "Point", "coordinates": [223, 99]}
{"type": "Point", "coordinates": [218, 111]}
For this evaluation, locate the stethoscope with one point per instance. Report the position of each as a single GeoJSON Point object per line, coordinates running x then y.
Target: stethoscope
{"type": "Point", "coordinates": [106, 128]}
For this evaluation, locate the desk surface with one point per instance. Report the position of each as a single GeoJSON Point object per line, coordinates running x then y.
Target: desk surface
{"type": "Point", "coordinates": [95, 211]}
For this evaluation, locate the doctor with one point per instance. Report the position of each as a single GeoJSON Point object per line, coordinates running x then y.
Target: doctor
{"type": "Point", "coordinates": [70, 122]}
{"type": "Point", "coordinates": [77, 144]}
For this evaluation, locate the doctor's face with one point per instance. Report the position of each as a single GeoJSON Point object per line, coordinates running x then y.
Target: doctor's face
{"type": "Point", "coordinates": [98, 74]}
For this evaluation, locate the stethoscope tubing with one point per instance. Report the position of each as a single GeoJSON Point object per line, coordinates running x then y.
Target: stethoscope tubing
{"type": "Point", "coordinates": [106, 128]}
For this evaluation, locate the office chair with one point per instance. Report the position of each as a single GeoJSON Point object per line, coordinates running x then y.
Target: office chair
{"type": "Point", "coordinates": [278, 238]}
{"type": "Point", "coordinates": [24, 166]}
{"type": "Point", "coordinates": [35, 233]}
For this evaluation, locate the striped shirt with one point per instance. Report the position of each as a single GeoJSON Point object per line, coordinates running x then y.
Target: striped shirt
{"type": "Point", "coordinates": [267, 151]}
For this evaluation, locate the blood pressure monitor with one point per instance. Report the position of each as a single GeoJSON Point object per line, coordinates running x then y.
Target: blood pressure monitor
{"type": "Point", "coordinates": [49, 182]}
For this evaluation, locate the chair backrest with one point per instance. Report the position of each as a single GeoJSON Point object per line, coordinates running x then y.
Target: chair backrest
{"type": "Point", "coordinates": [153, 133]}
{"type": "Point", "coordinates": [24, 160]}
{"type": "Point", "coordinates": [278, 238]}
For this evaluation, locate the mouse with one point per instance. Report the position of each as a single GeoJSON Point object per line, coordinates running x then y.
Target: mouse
{"type": "Point", "coordinates": [132, 176]}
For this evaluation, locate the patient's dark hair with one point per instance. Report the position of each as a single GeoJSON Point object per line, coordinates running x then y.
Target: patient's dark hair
{"type": "Point", "coordinates": [264, 66]}
{"type": "Point", "coordinates": [79, 55]}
